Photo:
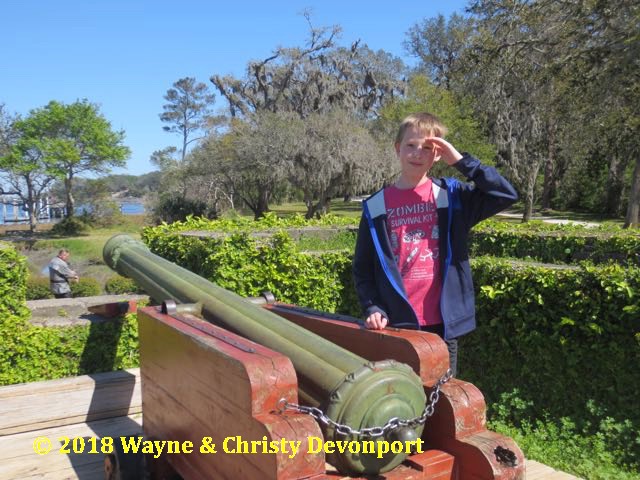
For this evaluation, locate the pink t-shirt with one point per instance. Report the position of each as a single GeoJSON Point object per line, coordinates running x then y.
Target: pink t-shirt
{"type": "Point", "coordinates": [412, 222]}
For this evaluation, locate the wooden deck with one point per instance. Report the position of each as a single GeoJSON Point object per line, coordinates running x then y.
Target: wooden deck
{"type": "Point", "coordinates": [88, 407]}
{"type": "Point", "coordinates": [540, 471]}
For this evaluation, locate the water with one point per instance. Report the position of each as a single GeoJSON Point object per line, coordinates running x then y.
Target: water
{"type": "Point", "coordinates": [127, 208]}
{"type": "Point", "coordinates": [130, 208]}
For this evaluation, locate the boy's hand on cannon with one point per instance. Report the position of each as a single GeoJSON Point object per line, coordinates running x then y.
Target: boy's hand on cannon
{"type": "Point", "coordinates": [444, 150]}
{"type": "Point", "coordinates": [376, 321]}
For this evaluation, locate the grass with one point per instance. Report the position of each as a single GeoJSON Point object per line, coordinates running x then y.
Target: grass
{"type": "Point", "coordinates": [560, 446]}
{"type": "Point", "coordinates": [85, 249]}
{"type": "Point", "coordinates": [338, 207]}
{"type": "Point", "coordinates": [341, 240]}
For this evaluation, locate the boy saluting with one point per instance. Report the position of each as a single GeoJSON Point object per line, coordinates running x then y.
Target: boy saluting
{"type": "Point", "coordinates": [411, 264]}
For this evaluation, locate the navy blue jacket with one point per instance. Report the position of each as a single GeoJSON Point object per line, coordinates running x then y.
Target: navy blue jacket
{"type": "Point", "coordinates": [459, 206]}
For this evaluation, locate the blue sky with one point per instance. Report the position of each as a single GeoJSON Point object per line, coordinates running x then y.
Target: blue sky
{"type": "Point", "coordinates": [125, 54]}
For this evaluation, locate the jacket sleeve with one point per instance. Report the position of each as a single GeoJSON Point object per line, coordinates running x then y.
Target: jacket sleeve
{"type": "Point", "coordinates": [63, 270]}
{"type": "Point", "coordinates": [490, 193]}
{"type": "Point", "coordinates": [364, 271]}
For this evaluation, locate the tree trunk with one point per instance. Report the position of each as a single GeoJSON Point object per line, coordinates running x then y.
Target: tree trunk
{"type": "Point", "coordinates": [308, 202]}
{"type": "Point", "coordinates": [615, 186]}
{"type": "Point", "coordinates": [530, 188]}
{"type": "Point", "coordinates": [262, 206]}
{"type": "Point", "coordinates": [633, 210]}
{"type": "Point", "coordinates": [70, 201]}
{"type": "Point", "coordinates": [528, 205]}
{"type": "Point", "coordinates": [30, 204]}
{"type": "Point", "coordinates": [549, 168]}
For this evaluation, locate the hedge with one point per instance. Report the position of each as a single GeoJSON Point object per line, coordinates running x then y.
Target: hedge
{"type": "Point", "coordinates": [535, 240]}
{"type": "Point", "coordinates": [38, 288]}
{"type": "Point", "coordinates": [554, 243]}
{"type": "Point", "coordinates": [30, 353]}
{"type": "Point", "coordinates": [13, 273]}
{"type": "Point", "coordinates": [565, 341]}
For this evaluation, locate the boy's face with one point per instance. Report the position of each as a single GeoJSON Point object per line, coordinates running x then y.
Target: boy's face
{"type": "Point", "coordinates": [415, 153]}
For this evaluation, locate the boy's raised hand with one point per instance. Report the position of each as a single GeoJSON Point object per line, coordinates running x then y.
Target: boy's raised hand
{"type": "Point", "coordinates": [445, 150]}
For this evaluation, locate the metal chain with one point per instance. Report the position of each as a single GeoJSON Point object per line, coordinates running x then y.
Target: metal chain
{"type": "Point", "coordinates": [371, 432]}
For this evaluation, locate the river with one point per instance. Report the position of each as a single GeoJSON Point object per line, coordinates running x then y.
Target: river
{"type": "Point", "coordinates": [13, 211]}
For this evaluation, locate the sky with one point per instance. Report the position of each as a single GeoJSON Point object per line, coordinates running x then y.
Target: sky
{"type": "Point", "coordinates": [123, 55]}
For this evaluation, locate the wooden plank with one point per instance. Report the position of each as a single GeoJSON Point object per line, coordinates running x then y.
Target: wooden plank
{"type": "Point", "coordinates": [540, 471]}
{"type": "Point", "coordinates": [37, 405]}
{"type": "Point", "coordinates": [559, 476]}
{"type": "Point", "coordinates": [19, 461]}
{"type": "Point", "coordinates": [536, 470]}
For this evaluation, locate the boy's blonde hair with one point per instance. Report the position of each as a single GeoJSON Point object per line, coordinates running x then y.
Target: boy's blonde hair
{"type": "Point", "coordinates": [426, 122]}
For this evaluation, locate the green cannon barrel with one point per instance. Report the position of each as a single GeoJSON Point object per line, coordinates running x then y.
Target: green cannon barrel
{"type": "Point", "coordinates": [350, 390]}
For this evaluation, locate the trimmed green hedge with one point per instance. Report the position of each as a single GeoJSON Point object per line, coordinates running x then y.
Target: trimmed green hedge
{"type": "Point", "coordinates": [535, 240]}
{"type": "Point", "coordinates": [564, 341]}
{"type": "Point", "coordinates": [554, 243]}
{"type": "Point", "coordinates": [250, 266]}
{"type": "Point", "coordinates": [13, 273]}
{"type": "Point", "coordinates": [30, 353]}
{"type": "Point", "coordinates": [119, 285]}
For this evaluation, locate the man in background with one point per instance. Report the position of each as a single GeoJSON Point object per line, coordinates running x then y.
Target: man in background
{"type": "Point", "coordinates": [60, 274]}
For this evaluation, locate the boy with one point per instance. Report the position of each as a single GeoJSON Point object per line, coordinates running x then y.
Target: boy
{"type": "Point", "coordinates": [411, 264]}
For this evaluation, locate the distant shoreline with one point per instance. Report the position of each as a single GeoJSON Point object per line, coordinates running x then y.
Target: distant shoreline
{"type": "Point", "coordinates": [128, 206]}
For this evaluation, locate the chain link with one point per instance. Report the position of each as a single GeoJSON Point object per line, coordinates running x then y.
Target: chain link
{"type": "Point", "coordinates": [371, 432]}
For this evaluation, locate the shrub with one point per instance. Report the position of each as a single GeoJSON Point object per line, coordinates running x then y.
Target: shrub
{"type": "Point", "coordinates": [566, 339]}
{"type": "Point", "coordinates": [31, 353]}
{"type": "Point", "coordinates": [563, 443]}
{"type": "Point", "coordinates": [70, 226]}
{"type": "Point", "coordinates": [13, 285]}
{"type": "Point", "coordinates": [86, 287]}
{"type": "Point", "coordinates": [118, 285]}
{"type": "Point", "coordinates": [38, 288]}
{"type": "Point", "coordinates": [173, 208]}
{"type": "Point", "coordinates": [552, 243]}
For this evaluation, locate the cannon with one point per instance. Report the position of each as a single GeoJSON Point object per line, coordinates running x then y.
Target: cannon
{"type": "Point", "coordinates": [237, 389]}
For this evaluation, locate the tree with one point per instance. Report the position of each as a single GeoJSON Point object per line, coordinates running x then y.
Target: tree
{"type": "Point", "coordinates": [174, 172]}
{"type": "Point", "coordinates": [336, 155]}
{"type": "Point", "coordinates": [579, 60]}
{"type": "Point", "coordinates": [556, 84]}
{"type": "Point", "coordinates": [440, 45]}
{"type": "Point", "coordinates": [8, 135]}
{"type": "Point", "coordinates": [290, 91]}
{"type": "Point", "coordinates": [187, 111]}
{"type": "Point", "coordinates": [24, 165]}
{"type": "Point", "coordinates": [70, 140]}
{"type": "Point", "coordinates": [261, 145]}
{"type": "Point", "coordinates": [505, 70]}
{"type": "Point", "coordinates": [317, 78]}
{"type": "Point", "coordinates": [465, 131]}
